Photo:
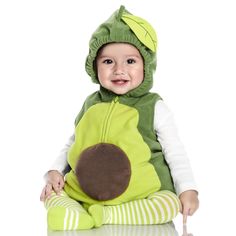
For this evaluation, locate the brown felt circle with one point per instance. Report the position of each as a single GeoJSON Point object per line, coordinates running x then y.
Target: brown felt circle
{"type": "Point", "coordinates": [103, 171]}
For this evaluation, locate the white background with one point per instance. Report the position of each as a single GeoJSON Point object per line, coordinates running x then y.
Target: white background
{"type": "Point", "coordinates": [43, 45]}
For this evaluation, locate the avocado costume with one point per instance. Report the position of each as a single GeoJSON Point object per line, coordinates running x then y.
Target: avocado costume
{"type": "Point", "coordinates": [116, 156]}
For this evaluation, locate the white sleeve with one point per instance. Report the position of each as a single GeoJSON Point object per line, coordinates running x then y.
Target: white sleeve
{"type": "Point", "coordinates": [60, 164]}
{"type": "Point", "coordinates": [173, 149]}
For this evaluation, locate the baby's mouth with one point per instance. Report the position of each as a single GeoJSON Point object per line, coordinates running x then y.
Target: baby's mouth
{"type": "Point", "coordinates": [119, 81]}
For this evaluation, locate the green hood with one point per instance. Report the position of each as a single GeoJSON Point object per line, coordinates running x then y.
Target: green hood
{"type": "Point", "coordinates": [126, 28]}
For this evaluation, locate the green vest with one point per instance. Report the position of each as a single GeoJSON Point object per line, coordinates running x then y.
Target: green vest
{"type": "Point", "coordinates": [123, 127]}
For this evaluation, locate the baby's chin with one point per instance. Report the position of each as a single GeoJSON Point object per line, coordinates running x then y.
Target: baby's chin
{"type": "Point", "coordinates": [120, 90]}
{"type": "Point", "coordinates": [119, 93]}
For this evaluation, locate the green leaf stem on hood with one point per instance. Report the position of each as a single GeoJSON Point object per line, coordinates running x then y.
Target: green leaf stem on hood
{"type": "Point", "coordinates": [142, 29]}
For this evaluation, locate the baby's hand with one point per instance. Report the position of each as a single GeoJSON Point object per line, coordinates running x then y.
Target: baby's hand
{"type": "Point", "coordinates": [190, 203]}
{"type": "Point", "coordinates": [55, 182]}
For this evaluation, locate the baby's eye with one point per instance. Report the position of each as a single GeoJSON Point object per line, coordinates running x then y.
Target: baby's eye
{"type": "Point", "coordinates": [130, 61]}
{"type": "Point", "coordinates": [107, 61]}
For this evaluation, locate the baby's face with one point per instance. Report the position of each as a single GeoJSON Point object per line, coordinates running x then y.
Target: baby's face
{"type": "Point", "coordinates": [120, 67]}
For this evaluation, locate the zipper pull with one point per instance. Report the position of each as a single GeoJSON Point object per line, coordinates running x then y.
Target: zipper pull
{"type": "Point", "coordinates": [116, 99]}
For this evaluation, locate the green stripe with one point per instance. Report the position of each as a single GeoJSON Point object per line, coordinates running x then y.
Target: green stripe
{"type": "Point", "coordinates": [168, 207]}
{"type": "Point", "coordinates": [142, 212]}
{"type": "Point", "coordinates": [158, 209]}
{"type": "Point", "coordinates": [132, 215]}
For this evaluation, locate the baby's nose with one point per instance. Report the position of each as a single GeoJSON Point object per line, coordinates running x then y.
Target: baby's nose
{"type": "Point", "coordinates": [119, 69]}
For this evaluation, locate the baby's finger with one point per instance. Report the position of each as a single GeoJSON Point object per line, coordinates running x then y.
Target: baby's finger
{"type": "Point", "coordinates": [43, 194]}
{"type": "Point", "coordinates": [61, 184]}
{"type": "Point", "coordinates": [185, 216]}
{"type": "Point", "coordinates": [191, 211]}
{"type": "Point", "coordinates": [57, 188]}
{"type": "Point", "coordinates": [48, 191]}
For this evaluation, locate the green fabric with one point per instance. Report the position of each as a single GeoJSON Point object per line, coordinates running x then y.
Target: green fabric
{"type": "Point", "coordinates": [65, 213]}
{"type": "Point", "coordinates": [117, 124]}
{"type": "Point", "coordinates": [115, 29]}
{"type": "Point", "coordinates": [142, 29]}
{"type": "Point", "coordinates": [131, 120]}
{"type": "Point", "coordinates": [145, 107]}
{"type": "Point", "coordinates": [159, 208]}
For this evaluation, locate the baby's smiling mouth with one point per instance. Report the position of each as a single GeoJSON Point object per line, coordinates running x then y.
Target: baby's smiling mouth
{"type": "Point", "coordinates": [119, 81]}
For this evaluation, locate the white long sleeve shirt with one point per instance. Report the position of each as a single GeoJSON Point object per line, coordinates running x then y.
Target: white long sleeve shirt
{"type": "Point", "coordinates": [172, 148]}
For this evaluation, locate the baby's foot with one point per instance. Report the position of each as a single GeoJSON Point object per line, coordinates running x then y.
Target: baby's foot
{"type": "Point", "coordinates": [96, 212]}
{"type": "Point", "coordinates": [61, 218]}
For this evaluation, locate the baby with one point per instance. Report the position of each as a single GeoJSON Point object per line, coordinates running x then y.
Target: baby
{"type": "Point", "coordinates": [124, 164]}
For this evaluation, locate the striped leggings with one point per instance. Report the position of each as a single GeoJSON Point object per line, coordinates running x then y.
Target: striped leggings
{"type": "Point", "coordinates": [65, 213]}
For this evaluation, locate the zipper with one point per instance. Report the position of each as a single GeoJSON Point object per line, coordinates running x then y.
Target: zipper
{"type": "Point", "coordinates": [107, 120]}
